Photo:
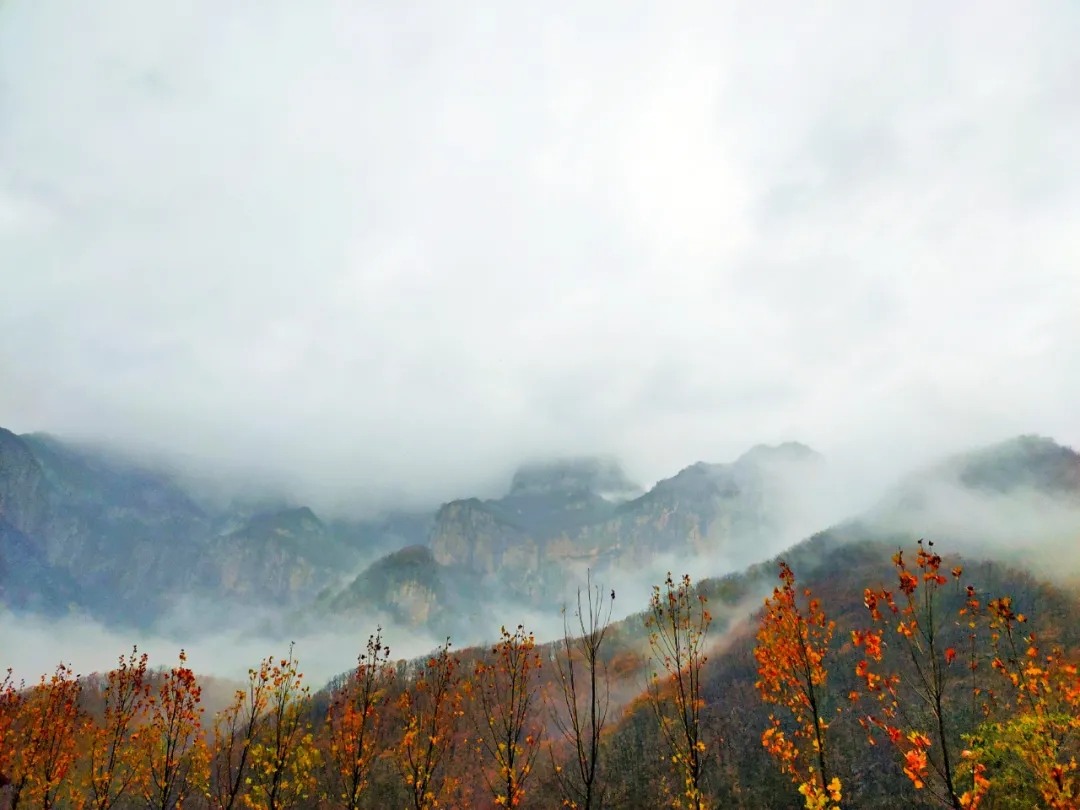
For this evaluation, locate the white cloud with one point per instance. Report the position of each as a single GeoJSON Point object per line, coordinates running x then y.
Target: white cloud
{"type": "Point", "coordinates": [401, 247]}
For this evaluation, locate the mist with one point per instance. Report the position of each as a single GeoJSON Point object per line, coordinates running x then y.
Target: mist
{"type": "Point", "coordinates": [1030, 528]}
{"type": "Point", "coordinates": [376, 255]}
{"type": "Point", "coordinates": [33, 646]}
{"type": "Point", "coordinates": [369, 256]}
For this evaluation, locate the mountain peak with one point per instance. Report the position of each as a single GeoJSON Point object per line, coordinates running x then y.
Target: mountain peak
{"type": "Point", "coordinates": [785, 452]}
{"type": "Point", "coordinates": [1022, 461]}
{"type": "Point", "coordinates": [599, 476]}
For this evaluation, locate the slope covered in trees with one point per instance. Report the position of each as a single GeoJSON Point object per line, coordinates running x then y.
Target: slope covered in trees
{"type": "Point", "coordinates": [867, 675]}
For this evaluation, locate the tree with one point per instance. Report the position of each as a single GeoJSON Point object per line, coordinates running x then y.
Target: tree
{"type": "Point", "coordinates": [42, 736]}
{"type": "Point", "coordinates": [792, 646]}
{"type": "Point", "coordinates": [283, 758]}
{"type": "Point", "coordinates": [506, 689]}
{"type": "Point", "coordinates": [678, 623]}
{"type": "Point", "coordinates": [584, 689]}
{"type": "Point", "coordinates": [1032, 749]}
{"type": "Point", "coordinates": [114, 767]}
{"type": "Point", "coordinates": [431, 709]}
{"type": "Point", "coordinates": [354, 718]}
{"type": "Point", "coordinates": [235, 731]}
{"type": "Point", "coordinates": [11, 699]}
{"type": "Point", "coordinates": [174, 752]}
{"type": "Point", "coordinates": [917, 725]}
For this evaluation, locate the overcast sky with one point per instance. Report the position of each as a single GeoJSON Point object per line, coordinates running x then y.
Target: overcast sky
{"type": "Point", "coordinates": [400, 246]}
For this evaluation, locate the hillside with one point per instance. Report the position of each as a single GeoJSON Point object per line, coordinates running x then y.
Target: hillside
{"type": "Point", "coordinates": [86, 531]}
{"type": "Point", "coordinates": [635, 769]}
{"type": "Point", "coordinates": [535, 548]}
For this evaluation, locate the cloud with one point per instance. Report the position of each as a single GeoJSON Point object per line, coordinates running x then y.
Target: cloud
{"type": "Point", "coordinates": [384, 249]}
{"type": "Point", "coordinates": [34, 645]}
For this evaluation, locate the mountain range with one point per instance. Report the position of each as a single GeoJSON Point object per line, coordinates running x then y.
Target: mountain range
{"type": "Point", "coordinates": [86, 531]}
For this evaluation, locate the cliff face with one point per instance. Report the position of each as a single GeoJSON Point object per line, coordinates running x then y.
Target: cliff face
{"type": "Point", "coordinates": [534, 545]}
{"type": "Point", "coordinates": [407, 586]}
{"type": "Point", "coordinates": [476, 536]}
{"type": "Point", "coordinates": [280, 557]}
{"type": "Point", "coordinates": [82, 530]}
{"type": "Point", "coordinates": [23, 495]}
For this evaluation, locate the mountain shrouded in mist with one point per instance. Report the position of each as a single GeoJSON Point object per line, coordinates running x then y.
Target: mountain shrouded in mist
{"type": "Point", "coordinates": [88, 532]}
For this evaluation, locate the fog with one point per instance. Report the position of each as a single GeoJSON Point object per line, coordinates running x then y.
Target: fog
{"type": "Point", "coordinates": [33, 646]}
{"type": "Point", "coordinates": [384, 252]}
{"type": "Point", "coordinates": [1031, 528]}
{"type": "Point", "coordinates": [377, 255]}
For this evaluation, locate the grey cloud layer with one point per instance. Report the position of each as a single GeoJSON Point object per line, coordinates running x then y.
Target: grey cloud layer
{"type": "Point", "coordinates": [402, 246]}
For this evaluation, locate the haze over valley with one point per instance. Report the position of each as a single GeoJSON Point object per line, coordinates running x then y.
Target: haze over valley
{"type": "Point", "coordinates": [99, 548]}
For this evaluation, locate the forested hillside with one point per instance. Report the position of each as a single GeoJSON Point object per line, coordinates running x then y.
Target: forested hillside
{"type": "Point", "coordinates": [871, 676]}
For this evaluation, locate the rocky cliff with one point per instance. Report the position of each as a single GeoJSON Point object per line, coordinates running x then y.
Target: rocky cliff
{"type": "Point", "coordinates": [84, 530]}
{"type": "Point", "coordinates": [558, 520]}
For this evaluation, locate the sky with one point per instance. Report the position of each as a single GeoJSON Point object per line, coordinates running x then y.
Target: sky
{"type": "Point", "coordinates": [389, 250]}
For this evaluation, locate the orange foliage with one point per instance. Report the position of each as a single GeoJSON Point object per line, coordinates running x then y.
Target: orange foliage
{"type": "Point", "coordinates": [10, 705]}
{"type": "Point", "coordinates": [917, 627]}
{"type": "Point", "coordinates": [137, 738]}
{"type": "Point", "coordinates": [40, 737]}
{"type": "Point", "coordinates": [431, 709]}
{"type": "Point", "coordinates": [505, 691]}
{"type": "Point", "coordinates": [1045, 693]}
{"type": "Point", "coordinates": [678, 622]}
{"type": "Point", "coordinates": [173, 749]}
{"type": "Point", "coordinates": [114, 767]}
{"type": "Point", "coordinates": [283, 754]}
{"type": "Point", "coordinates": [792, 645]}
{"type": "Point", "coordinates": [235, 730]}
{"type": "Point", "coordinates": [353, 722]}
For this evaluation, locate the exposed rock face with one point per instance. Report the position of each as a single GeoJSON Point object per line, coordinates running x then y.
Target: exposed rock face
{"type": "Point", "coordinates": [535, 544]}
{"type": "Point", "coordinates": [83, 530]}
{"type": "Point", "coordinates": [474, 535]}
{"type": "Point", "coordinates": [23, 495]}
{"type": "Point", "coordinates": [406, 584]}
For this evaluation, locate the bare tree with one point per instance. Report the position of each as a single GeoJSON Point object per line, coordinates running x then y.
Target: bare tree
{"type": "Point", "coordinates": [585, 693]}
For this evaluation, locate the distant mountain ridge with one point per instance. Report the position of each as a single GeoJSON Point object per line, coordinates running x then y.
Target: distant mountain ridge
{"type": "Point", "coordinates": [83, 531]}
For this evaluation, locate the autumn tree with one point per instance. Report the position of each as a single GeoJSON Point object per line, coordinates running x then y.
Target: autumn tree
{"type": "Point", "coordinates": [1031, 748]}
{"type": "Point", "coordinates": [505, 689]}
{"type": "Point", "coordinates": [918, 724]}
{"type": "Point", "coordinates": [10, 707]}
{"type": "Point", "coordinates": [792, 646]}
{"type": "Point", "coordinates": [173, 749]}
{"type": "Point", "coordinates": [431, 709]}
{"type": "Point", "coordinates": [114, 767]}
{"type": "Point", "coordinates": [353, 722]}
{"type": "Point", "coordinates": [678, 622]}
{"type": "Point", "coordinates": [584, 692]}
{"type": "Point", "coordinates": [283, 757]}
{"type": "Point", "coordinates": [235, 731]}
{"type": "Point", "coordinates": [41, 737]}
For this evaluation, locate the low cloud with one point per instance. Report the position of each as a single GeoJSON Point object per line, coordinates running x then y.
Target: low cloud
{"type": "Point", "coordinates": [380, 253]}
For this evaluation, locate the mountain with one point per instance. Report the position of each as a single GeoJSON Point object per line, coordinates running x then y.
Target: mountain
{"type": "Point", "coordinates": [85, 530]}
{"type": "Point", "coordinates": [558, 520]}
{"type": "Point", "coordinates": [532, 546]}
